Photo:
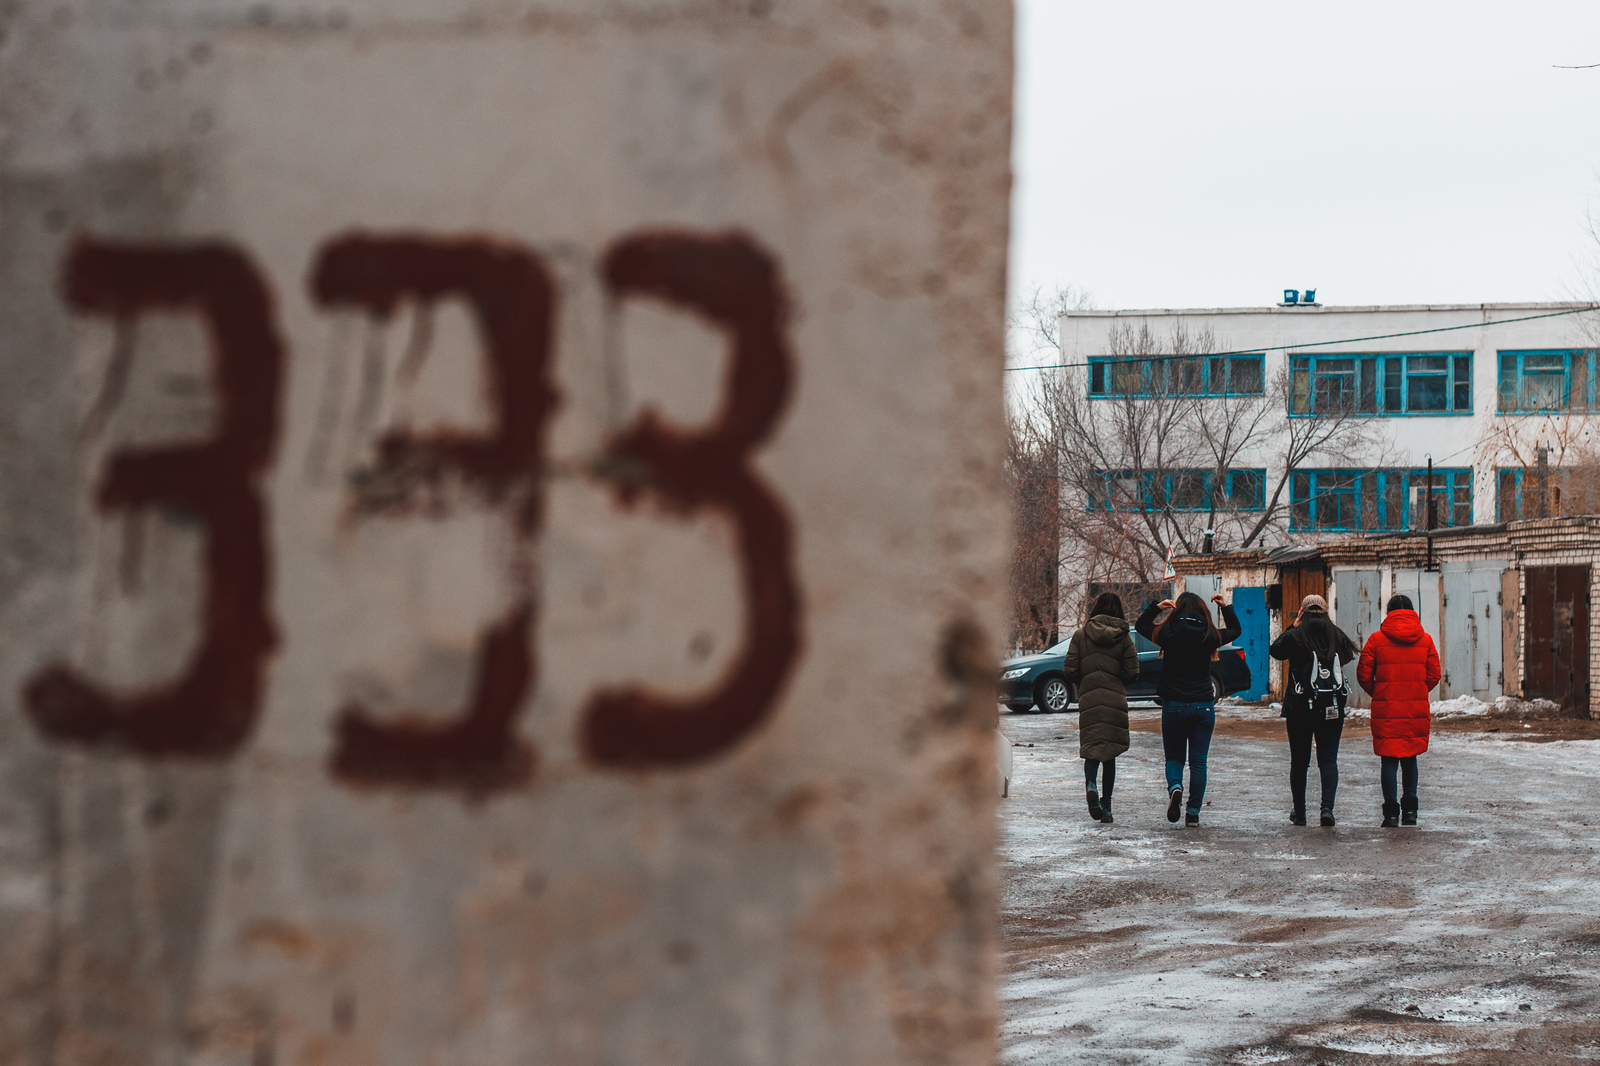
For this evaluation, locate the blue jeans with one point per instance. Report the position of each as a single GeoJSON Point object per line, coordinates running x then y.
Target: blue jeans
{"type": "Point", "coordinates": [1393, 767]}
{"type": "Point", "coordinates": [1188, 725]}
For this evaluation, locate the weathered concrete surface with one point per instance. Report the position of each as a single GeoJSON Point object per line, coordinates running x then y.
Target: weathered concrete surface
{"type": "Point", "coordinates": [1250, 941]}
{"type": "Point", "coordinates": [379, 682]}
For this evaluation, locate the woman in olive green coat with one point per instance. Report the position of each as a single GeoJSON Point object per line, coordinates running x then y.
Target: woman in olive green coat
{"type": "Point", "coordinates": [1101, 660]}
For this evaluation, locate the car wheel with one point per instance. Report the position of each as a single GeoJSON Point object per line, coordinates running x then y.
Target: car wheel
{"type": "Point", "coordinates": [1218, 689]}
{"type": "Point", "coordinates": [1053, 695]}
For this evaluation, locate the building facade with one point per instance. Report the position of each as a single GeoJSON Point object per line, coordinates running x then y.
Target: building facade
{"type": "Point", "coordinates": [1303, 436]}
{"type": "Point", "coordinates": [1479, 389]}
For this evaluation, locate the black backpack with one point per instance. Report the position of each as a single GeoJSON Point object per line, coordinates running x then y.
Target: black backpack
{"type": "Point", "coordinates": [1324, 688]}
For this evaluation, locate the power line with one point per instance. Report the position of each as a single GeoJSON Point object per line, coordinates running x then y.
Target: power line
{"type": "Point", "coordinates": [1312, 344]}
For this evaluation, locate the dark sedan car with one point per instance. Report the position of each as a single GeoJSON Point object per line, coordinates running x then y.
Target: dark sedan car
{"type": "Point", "coordinates": [1037, 681]}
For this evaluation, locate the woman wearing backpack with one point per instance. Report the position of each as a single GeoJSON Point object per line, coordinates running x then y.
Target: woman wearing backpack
{"type": "Point", "coordinates": [1101, 660]}
{"type": "Point", "coordinates": [1313, 703]}
{"type": "Point", "coordinates": [1188, 640]}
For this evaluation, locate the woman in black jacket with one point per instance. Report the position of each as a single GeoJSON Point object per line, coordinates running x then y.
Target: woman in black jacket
{"type": "Point", "coordinates": [1188, 640]}
{"type": "Point", "coordinates": [1312, 637]}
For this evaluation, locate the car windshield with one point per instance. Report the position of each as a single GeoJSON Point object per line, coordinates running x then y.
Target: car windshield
{"type": "Point", "coordinates": [1057, 649]}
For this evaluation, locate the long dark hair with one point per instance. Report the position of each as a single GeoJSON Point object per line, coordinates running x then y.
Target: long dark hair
{"type": "Point", "coordinates": [1324, 639]}
{"type": "Point", "coordinates": [1191, 603]}
{"type": "Point", "coordinates": [1107, 603]}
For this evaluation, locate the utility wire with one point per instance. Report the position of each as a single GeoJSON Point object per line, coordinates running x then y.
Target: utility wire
{"type": "Point", "coordinates": [1311, 344]}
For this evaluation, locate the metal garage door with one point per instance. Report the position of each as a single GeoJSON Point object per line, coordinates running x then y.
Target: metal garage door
{"type": "Point", "coordinates": [1356, 610]}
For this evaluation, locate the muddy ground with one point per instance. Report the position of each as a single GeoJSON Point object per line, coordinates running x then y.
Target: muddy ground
{"type": "Point", "coordinates": [1474, 938]}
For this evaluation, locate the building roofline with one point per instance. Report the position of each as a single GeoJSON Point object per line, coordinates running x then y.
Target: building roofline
{"type": "Point", "coordinates": [1401, 546]}
{"type": "Point", "coordinates": [1322, 309]}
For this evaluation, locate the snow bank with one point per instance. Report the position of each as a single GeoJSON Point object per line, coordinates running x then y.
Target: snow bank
{"type": "Point", "coordinates": [1511, 707]}
{"type": "Point", "coordinates": [1461, 707]}
{"type": "Point", "coordinates": [1472, 707]}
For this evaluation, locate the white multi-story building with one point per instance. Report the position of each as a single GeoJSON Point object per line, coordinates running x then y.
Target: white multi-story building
{"type": "Point", "coordinates": [1480, 389]}
{"type": "Point", "coordinates": [1504, 399]}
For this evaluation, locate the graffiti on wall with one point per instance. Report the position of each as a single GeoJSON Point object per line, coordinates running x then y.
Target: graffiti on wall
{"type": "Point", "coordinates": [209, 710]}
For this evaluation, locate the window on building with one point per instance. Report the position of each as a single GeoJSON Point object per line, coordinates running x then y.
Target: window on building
{"type": "Point", "coordinates": [1547, 380]}
{"type": "Point", "coordinates": [1378, 499]}
{"type": "Point", "coordinates": [1184, 490]}
{"type": "Point", "coordinates": [1247, 489]}
{"type": "Point", "coordinates": [1245, 374]}
{"type": "Point", "coordinates": [1217, 375]}
{"type": "Point", "coordinates": [1334, 384]}
{"type": "Point", "coordinates": [1566, 491]}
{"type": "Point", "coordinates": [1405, 383]}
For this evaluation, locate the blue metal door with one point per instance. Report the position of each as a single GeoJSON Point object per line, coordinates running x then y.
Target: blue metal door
{"type": "Point", "coordinates": [1250, 604]}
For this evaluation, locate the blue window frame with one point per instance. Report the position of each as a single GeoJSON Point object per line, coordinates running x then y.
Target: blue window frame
{"type": "Point", "coordinates": [1213, 375]}
{"type": "Point", "coordinates": [1377, 499]}
{"type": "Point", "coordinates": [1547, 379]}
{"type": "Point", "coordinates": [1568, 491]}
{"type": "Point", "coordinates": [1183, 490]}
{"type": "Point", "coordinates": [1399, 383]}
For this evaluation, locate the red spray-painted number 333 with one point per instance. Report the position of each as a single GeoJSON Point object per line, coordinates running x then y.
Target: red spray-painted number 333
{"type": "Point", "coordinates": [209, 711]}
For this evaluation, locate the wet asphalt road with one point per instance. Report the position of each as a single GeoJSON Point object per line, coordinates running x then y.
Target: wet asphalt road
{"type": "Point", "coordinates": [1474, 938]}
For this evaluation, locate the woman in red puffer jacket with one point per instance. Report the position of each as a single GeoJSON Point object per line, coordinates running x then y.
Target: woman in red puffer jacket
{"type": "Point", "coordinates": [1398, 667]}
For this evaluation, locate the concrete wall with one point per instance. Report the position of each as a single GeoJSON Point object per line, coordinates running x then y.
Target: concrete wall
{"type": "Point", "coordinates": [499, 540]}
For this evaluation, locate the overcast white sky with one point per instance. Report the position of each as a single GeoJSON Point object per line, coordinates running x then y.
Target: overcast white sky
{"type": "Point", "coordinates": [1181, 154]}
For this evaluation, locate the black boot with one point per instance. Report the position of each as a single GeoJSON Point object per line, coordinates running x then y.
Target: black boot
{"type": "Point", "coordinates": [1174, 804]}
{"type": "Point", "coordinates": [1391, 814]}
{"type": "Point", "coordinates": [1408, 810]}
{"type": "Point", "coordinates": [1297, 816]}
{"type": "Point", "coordinates": [1105, 810]}
{"type": "Point", "coordinates": [1094, 805]}
{"type": "Point", "coordinates": [1327, 816]}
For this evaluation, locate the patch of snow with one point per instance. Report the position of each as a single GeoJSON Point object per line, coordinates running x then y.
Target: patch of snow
{"type": "Point", "coordinates": [1461, 707]}
{"type": "Point", "coordinates": [1385, 1045]}
{"type": "Point", "coordinates": [1511, 707]}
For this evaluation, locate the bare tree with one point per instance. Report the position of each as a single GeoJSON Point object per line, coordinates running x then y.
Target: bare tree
{"type": "Point", "coordinates": [1327, 426]}
{"type": "Point", "coordinates": [1032, 471]}
{"type": "Point", "coordinates": [1033, 326]}
{"type": "Point", "coordinates": [1544, 465]}
{"type": "Point", "coordinates": [1034, 486]}
{"type": "Point", "coordinates": [1150, 461]}
{"type": "Point", "coordinates": [1170, 437]}
{"type": "Point", "coordinates": [1542, 448]}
